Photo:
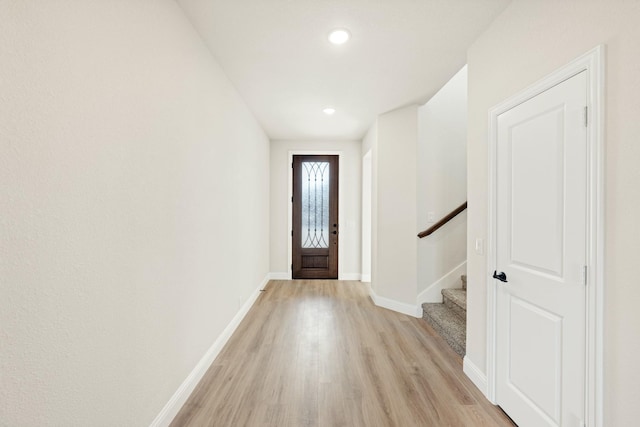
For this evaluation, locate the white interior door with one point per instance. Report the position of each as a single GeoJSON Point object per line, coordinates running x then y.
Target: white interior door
{"type": "Point", "coordinates": [541, 210]}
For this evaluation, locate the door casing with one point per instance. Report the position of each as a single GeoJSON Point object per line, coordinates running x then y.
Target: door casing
{"type": "Point", "coordinates": [592, 62]}
{"type": "Point", "coordinates": [340, 204]}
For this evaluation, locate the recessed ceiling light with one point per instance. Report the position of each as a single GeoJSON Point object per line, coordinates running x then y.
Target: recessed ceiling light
{"type": "Point", "coordinates": [339, 36]}
{"type": "Point", "coordinates": [329, 111]}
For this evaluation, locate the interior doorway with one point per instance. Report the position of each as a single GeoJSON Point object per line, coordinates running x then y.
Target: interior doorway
{"type": "Point", "coordinates": [546, 253]}
{"type": "Point", "coordinates": [541, 256]}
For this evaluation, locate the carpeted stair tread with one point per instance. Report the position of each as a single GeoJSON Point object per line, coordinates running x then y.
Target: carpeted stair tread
{"type": "Point", "coordinates": [456, 300]}
{"type": "Point", "coordinates": [448, 324]}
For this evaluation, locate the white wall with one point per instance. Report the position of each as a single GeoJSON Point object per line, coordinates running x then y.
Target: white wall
{"type": "Point", "coordinates": [134, 209]}
{"type": "Point", "coordinates": [395, 218]}
{"type": "Point", "coordinates": [528, 41]}
{"type": "Point", "coordinates": [370, 140]}
{"type": "Point", "coordinates": [365, 247]}
{"type": "Point", "coordinates": [370, 148]}
{"type": "Point", "coordinates": [350, 199]}
{"type": "Point", "coordinates": [442, 187]}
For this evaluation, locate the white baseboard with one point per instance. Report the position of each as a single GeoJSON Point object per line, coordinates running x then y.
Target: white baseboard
{"type": "Point", "coordinates": [287, 276]}
{"type": "Point", "coordinates": [477, 377]}
{"type": "Point", "coordinates": [173, 406]}
{"type": "Point", "coordinates": [400, 307]}
{"type": "Point", "coordinates": [449, 280]}
{"type": "Point", "coordinates": [366, 278]}
{"type": "Point", "coordinates": [280, 276]}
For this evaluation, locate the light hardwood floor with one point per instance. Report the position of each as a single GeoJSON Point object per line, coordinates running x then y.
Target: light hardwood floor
{"type": "Point", "coordinates": [320, 353]}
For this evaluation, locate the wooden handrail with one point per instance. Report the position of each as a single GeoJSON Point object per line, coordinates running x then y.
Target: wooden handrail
{"type": "Point", "coordinates": [443, 221]}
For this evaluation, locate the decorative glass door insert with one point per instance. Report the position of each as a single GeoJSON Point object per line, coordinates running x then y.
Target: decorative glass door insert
{"type": "Point", "coordinates": [315, 204]}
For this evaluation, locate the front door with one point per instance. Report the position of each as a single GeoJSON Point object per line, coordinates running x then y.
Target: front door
{"type": "Point", "coordinates": [541, 205]}
{"type": "Point", "coordinates": [315, 217]}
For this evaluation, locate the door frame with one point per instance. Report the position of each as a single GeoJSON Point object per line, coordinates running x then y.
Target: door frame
{"type": "Point", "coordinates": [290, 205]}
{"type": "Point", "coordinates": [593, 62]}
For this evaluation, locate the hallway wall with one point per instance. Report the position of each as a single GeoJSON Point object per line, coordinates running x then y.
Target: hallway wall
{"type": "Point", "coordinates": [134, 209]}
{"type": "Point", "coordinates": [527, 42]}
{"type": "Point", "coordinates": [395, 221]}
{"type": "Point", "coordinates": [370, 147]}
{"type": "Point", "coordinates": [442, 187]}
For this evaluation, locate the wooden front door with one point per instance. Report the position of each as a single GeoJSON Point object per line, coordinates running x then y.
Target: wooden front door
{"type": "Point", "coordinates": [315, 217]}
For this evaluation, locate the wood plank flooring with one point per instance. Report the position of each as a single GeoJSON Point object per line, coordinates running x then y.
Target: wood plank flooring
{"type": "Point", "coordinates": [320, 353]}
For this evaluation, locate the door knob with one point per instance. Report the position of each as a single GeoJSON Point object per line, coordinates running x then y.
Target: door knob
{"type": "Point", "coordinates": [500, 276]}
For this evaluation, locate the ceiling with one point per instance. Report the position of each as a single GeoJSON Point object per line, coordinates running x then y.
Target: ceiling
{"type": "Point", "coordinates": [277, 55]}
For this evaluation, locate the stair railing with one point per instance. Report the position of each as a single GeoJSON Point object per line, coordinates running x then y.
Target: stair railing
{"type": "Point", "coordinates": [443, 221]}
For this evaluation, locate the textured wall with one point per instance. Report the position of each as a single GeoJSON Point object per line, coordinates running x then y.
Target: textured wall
{"type": "Point", "coordinates": [133, 209]}
{"type": "Point", "coordinates": [528, 41]}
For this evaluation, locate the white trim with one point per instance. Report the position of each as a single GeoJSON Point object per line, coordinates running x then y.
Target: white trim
{"type": "Point", "coordinates": [433, 293]}
{"type": "Point", "coordinates": [475, 374]}
{"type": "Point", "coordinates": [397, 306]}
{"type": "Point", "coordinates": [351, 276]}
{"type": "Point", "coordinates": [593, 62]}
{"type": "Point", "coordinates": [366, 278]}
{"type": "Point", "coordinates": [341, 219]}
{"type": "Point", "coordinates": [596, 258]}
{"type": "Point", "coordinates": [173, 406]}
{"type": "Point", "coordinates": [280, 276]}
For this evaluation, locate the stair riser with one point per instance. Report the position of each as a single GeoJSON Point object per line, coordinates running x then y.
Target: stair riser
{"type": "Point", "coordinates": [461, 312]}
{"type": "Point", "coordinates": [458, 347]}
{"type": "Point", "coordinates": [447, 324]}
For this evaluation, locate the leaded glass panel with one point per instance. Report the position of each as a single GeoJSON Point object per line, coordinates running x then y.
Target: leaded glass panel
{"type": "Point", "coordinates": [315, 204]}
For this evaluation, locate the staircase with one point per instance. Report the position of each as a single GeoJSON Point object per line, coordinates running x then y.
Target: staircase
{"type": "Point", "coordinates": [449, 319]}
